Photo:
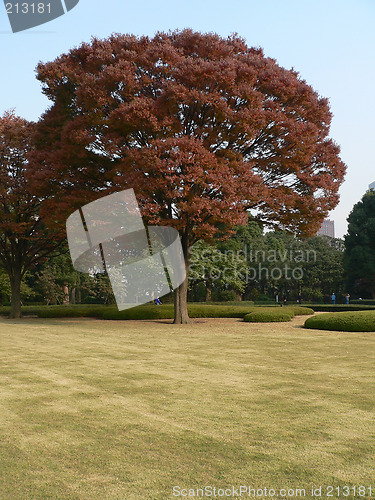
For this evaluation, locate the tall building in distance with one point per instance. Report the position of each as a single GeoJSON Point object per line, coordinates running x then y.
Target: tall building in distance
{"type": "Point", "coordinates": [327, 229]}
{"type": "Point", "coordinates": [372, 186]}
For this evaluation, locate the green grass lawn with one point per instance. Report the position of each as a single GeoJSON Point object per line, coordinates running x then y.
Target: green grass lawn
{"type": "Point", "coordinates": [95, 409]}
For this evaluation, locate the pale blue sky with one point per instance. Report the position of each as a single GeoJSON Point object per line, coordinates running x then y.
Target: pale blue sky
{"type": "Point", "coordinates": [330, 43]}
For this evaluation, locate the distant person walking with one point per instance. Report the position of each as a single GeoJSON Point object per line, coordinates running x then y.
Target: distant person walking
{"type": "Point", "coordinates": [347, 298]}
{"type": "Point", "coordinates": [333, 298]}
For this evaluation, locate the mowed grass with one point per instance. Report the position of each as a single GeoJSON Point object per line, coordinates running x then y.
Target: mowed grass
{"type": "Point", "coordinates": [94, 409]}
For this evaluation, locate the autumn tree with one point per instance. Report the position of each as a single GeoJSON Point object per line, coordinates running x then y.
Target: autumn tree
{"type": "Point", "coordinates": [203, 128]}
{"type": "Point", "coordinates": [360, 246]}
{"type": "Point", "coordinates": [24, 238]}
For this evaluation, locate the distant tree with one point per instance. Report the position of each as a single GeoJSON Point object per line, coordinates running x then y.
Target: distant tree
{"type": "Point", "coordinates": [360, 246]}
{"type": "Point", "coordinates": [219, 266]}
{"type": "Point", "coordinates": [324, 270]}
{"type": "Point", "coordinates": [58, 282]}
{"type": "Point", "coordinates": [203, 128]}
{"type": "Point", "coordinates": [276, 263]}
{"type": "Point", "coordinates": [24, 239]}
{"type": "Point", "coordinates": [53, 292]}
{"type": "Point", "coordinates": [6, 291]}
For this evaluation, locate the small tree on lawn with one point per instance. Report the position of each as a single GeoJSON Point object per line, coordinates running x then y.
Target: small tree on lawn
{"type": "Point", "coordinates": [24, 239]}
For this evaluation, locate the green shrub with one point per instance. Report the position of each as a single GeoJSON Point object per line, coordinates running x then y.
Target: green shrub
{"type": "Point", "coordinates": [142, 312]}
{"type": "Point", "coordinates": [358, 321]}
{"type": "Point", "coordinates": [300, 310]}
{"type": "Point", "coordinates": [237, 303]}
{"type": "Point", "coordinates": [150, 311]}
{"type": "Point", "coordinates": [219, 311]}
{"type": "Point", "coordinates": [269, 315]}
{"type": "Point", "coordinates": [165, 311]}
{"type": "Point", "coordinates": [26, 310]}
{"type": "Point", "coordinates": [62, 311]}
{"type": "Point", "coordinates": [228, 296]}
{"type": "Point", "coordinates": [340, 307]}
{"type": "Point", "coordinates": [147, 311]}
{"type": "Point", "coordinates": [264, 298]}
{"type": "Point", "coordinates": [72, 311]}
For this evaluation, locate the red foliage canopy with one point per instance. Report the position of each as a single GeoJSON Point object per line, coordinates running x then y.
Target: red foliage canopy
{"type": "Point", "coordinates": [24, 238]}
{"type": "Point", "coordinates": [201, 127]}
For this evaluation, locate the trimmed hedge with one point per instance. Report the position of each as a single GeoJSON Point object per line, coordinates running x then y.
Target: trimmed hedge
{"type": "Point", "coordinates": [225, 303]}
{"type": "Point", "coordinates": [358, 321]}
{"type": "Point", "coordinates": [149, 311]}
{"type": "Point", "coordinates": [341, 307]}
{"type": "Point", "coordinates": [276, 314]}
{"type": "Point", "coordinates": [300, 310]}
{"type": "Point", "coordinates": [141, 312]}
{"type": "Point", "coordinates": [26, 310]}
{"type": "Point", "coordinates": [197, 311]}
{"type": "Point", "coordinates": [61, 311]}
{"type": "Point", "coordinates": [74, 311]}
{"type": "Point", "coordinates": [269, 315]}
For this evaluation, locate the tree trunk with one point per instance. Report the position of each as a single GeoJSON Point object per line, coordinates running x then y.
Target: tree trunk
{"type": "Point", "coordinates": [66, 294]}
{"type": "Point", "coordinates": [181, 316]}
{"type": "Point", "coordinates": [15, 305]}
{"type": "Point", "coordinates": [208, 291]}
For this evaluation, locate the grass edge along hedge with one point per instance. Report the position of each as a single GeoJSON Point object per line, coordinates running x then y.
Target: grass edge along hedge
{"type": "Point", "coordinates": [355, 321]}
